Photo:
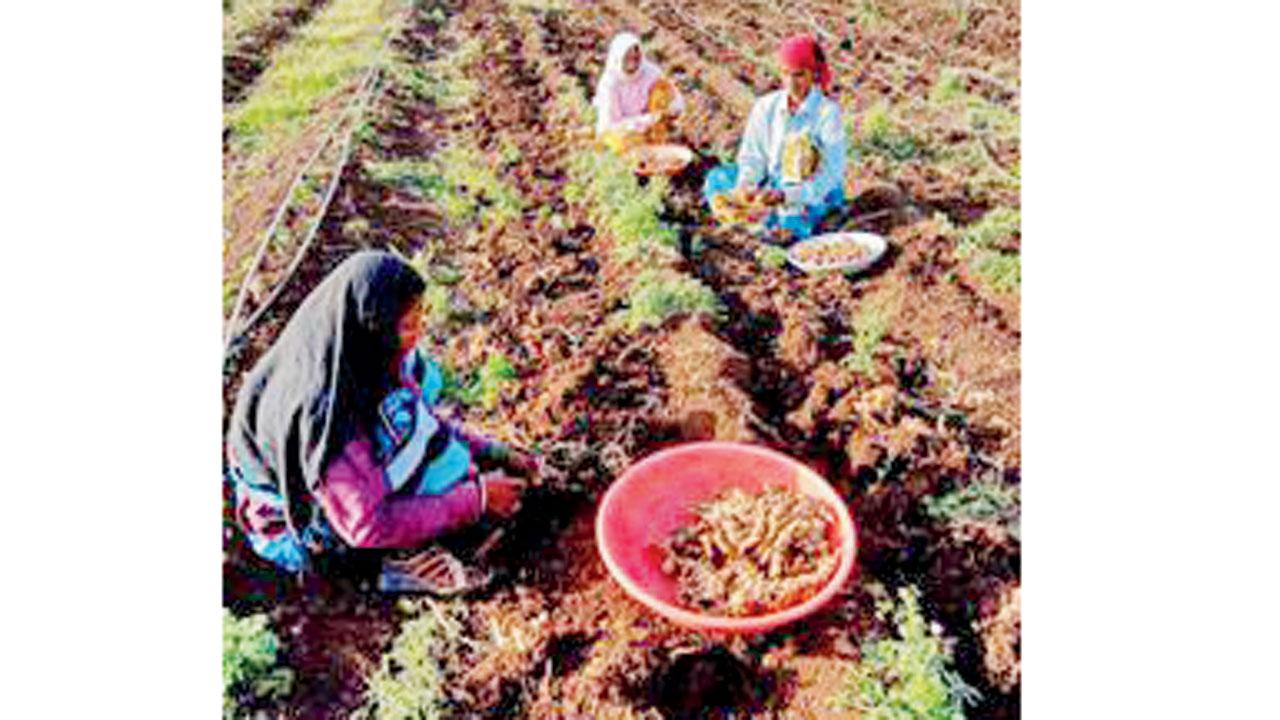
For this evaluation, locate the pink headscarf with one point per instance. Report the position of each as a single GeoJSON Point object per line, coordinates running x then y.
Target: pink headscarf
{"type": "Point", "coordinates": [802, 52]}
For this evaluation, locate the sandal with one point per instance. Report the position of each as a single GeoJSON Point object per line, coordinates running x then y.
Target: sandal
{"type": "Point", "coordinates": [435, 571]}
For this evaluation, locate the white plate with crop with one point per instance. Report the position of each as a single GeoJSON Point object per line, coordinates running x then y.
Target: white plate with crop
{"type": "Point", "coordinates": [870, 248]}
{"type": "Point", "coordinates": [665, 159]}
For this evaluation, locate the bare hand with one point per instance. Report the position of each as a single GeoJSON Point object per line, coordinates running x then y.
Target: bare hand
{"type": "Point", "coordinates": [501, 493]}
{"type": "Point", "coordinates": [524, 462]}
{"type": "Point", "coordinates": [535, 467]}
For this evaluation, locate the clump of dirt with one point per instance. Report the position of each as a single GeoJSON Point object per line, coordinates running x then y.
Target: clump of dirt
{"type": "Point", "coordinates": [1001, 630]}
{"type": "Point", "coordinates": [511, 627]}
{"type": "Point", "coordinates": [703, 376]}
{"type": "Point", "coordinates": [798, 344]}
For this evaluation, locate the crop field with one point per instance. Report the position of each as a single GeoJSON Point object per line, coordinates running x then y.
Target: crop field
{"type": "Point", "coordinates": [599, 317]}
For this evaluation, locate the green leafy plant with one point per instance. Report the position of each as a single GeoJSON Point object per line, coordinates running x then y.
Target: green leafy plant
{"type": "Point", "coordinates": [870, 325]}
{"type": "Point", "coordinates": [437, 301]}
{"type": "Point", "coordinates": [444, 274]}
{"type": "Point", "coordinates": [509, 153]}
{"type": "Point", "coordinates": [772, 257]}
{"type": "Point", "coordinates": [868, 16]}
{"type": "Point", "coordinates": [356, 228]}
{"type": "Point", "coordinates": [959, 11]}
{"type": "Point", "coordinates": [907, 677]}
{"type": "Point", "coordinates": [250, 675]}
{"type": "Point", "coordinates": [985, 502]}
{"type": "Point", "coordinates": [482, 387]}
{"type": "Point", "coordinates": [987, 124]}
{"type": "Point", "coordinates": [950, 87]}
{"type": "Point", "coordinates": [410, 683]}
{"type": "Point", "coordinates": [437, 304]}
{"type": "Point", "coordinates": [980, 244]}
{"type": "Point", "coordinates": [995, 227]}
{"type": "Point", "coordinates": [327, 55]}
{"type": "Point", "coordinates": [539, 5]}
{"type": "Point", "coordinates": [986, 117]}
{"type": "Point", "coordinates": [880, 134]}
{"type": "Point", "coordinates": [1001, 271]}
{"type": "Point", "coordinates": [470, 184]}
{"type": "Point", "coordinates": [443, 81]}
{"type": "Point", "coordinates": [416, 177]}
{"type": "Point", "coordinates": [457, 179]}
{"type": "Point", "coordinates": [660, 294]}
{"type": "Point", "coordinates": [605, 183]}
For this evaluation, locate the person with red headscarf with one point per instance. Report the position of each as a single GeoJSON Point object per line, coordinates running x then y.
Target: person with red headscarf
{"type": "Point", "coordinates": [792, 155]}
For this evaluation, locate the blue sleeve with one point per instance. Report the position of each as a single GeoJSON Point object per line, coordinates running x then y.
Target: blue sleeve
{"type": "Point", "coordinates": [432, 383]}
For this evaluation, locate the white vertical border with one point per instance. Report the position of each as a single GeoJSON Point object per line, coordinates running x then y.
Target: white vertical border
{"type": "Point", "coordinates": [1149, 334]}
{"type": "Point", "coordinates": [111, 246]}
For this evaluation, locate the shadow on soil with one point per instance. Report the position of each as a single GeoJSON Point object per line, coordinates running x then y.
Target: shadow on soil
{"type": "Point", "coordinates": [713, 683]}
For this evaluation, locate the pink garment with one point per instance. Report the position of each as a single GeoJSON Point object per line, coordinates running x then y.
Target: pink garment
{"type": "Point", "coordinates": [629, 99]}
{"type": "Point", "coordinates": [622, 101]}
{"type": "Point", "coordinates": [358, 503]}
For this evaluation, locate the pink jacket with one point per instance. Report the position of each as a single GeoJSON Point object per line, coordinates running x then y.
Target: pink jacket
{"type": "Point", "coordinates": [359, 505]}
{"type": "Point", "coordinates": [623, 103]}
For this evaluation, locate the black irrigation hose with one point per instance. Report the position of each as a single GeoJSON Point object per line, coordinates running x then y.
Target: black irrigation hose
{"type": "Point", "coordinates": [261, 252]}
{"type": "Point", "coordinates": [364, 92]}
{"type": "Point", "coordinates": [236, 332]}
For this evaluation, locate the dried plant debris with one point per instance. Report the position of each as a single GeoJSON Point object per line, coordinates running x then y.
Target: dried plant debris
{"type": "Point", "coordinates": [1001, 631]}
{"type": "Point", "coordinates": [750, 554]}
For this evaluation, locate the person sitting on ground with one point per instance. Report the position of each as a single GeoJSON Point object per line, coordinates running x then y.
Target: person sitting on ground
{"type": "Point", "coordinates": [333, 443]}
{"type": "Point", "coordinates": [635, 103]}
{"type": "Point", "coordinates": [792, 156]}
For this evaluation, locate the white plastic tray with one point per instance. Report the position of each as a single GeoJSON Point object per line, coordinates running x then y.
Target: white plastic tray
{"type": "Point", "coordinates": [874, 245]}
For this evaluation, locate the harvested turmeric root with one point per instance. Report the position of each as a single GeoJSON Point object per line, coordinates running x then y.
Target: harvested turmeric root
{"type": "Point", "coordinates": [739, 205]}
{"type": "Point", "coordinates": [750, 554]}
{"type": "Point", "coordinates": [661, 95]}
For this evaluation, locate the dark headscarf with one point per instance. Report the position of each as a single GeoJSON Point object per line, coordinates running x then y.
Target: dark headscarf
{"type": "Point", "coordinates": [322, 380]}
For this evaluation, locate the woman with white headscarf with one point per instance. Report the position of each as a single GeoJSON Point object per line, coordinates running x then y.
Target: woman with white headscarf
{"type": "Point", "coordinates": [633, 102]}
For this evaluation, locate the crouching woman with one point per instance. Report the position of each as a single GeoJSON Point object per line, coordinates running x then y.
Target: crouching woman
{"type": "Point", "coordinates": [635, 103]}
{"type": "Point", "coordinates": [333, 444]}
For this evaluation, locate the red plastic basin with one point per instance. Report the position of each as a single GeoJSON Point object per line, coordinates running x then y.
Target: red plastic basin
{"type": "Point", "coordinates": [655, 497]}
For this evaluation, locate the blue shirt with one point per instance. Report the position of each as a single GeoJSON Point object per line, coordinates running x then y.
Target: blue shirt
{"type": "Point", "coordinates": [769, 126]}
{"type": "Point", "coordinates": [405, 436]}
